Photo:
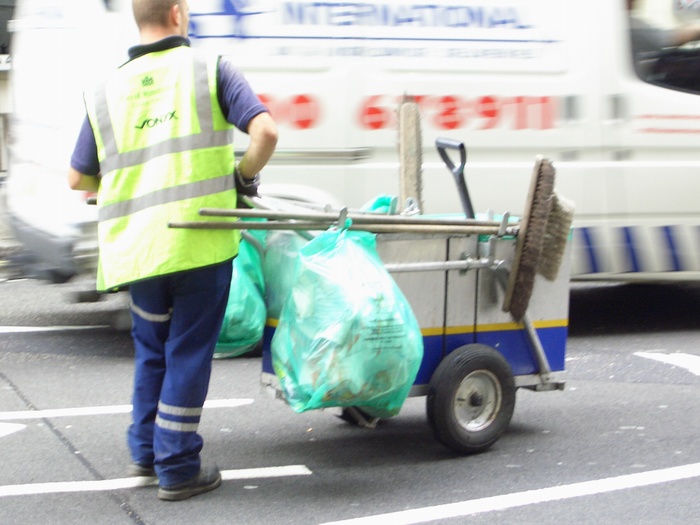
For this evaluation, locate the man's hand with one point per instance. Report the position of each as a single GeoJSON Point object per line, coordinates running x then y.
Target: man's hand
{"type": "Point", "coordinates": [245, 187]}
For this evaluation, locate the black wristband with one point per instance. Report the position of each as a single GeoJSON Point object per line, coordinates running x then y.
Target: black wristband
{"type": "Point", "coordinates": [246, 183]}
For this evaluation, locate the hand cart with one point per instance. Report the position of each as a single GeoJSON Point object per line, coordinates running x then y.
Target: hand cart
{"type": "Point", "coordinates": [490, 322]}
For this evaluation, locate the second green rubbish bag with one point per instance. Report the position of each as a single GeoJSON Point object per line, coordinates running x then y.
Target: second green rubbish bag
{"type": "Point", "coordinates": [244, 319]}
{"type": "Point", "coordinates": [346, 334]}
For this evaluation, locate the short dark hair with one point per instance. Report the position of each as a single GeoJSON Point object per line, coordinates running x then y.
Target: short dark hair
{"type": "Point", "coordinates": [152, 12]}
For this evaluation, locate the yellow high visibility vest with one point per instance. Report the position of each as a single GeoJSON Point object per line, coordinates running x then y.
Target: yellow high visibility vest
{"type": "Point", "coordinates": [165, 151]}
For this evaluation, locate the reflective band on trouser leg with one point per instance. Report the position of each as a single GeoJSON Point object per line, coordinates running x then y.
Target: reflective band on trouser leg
{"type": "Point", "coordinates": [176, 446]}
{"type": "Point", "coordinates": [199, 302]}
{"type": "Point", "coordinates": [150, 312]}
{"type": "Point", "coordinates": [176, 443]}
{"type": "Point", "coordinates": [147, 316]}
{"type": "Point", "coordinates": [178, 419]}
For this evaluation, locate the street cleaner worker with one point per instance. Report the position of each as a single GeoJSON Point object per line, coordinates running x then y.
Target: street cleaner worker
{"type": "Point", "coordinates": [157, 146]}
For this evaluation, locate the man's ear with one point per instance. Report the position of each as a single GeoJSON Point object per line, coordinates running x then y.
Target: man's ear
{"type": "Point", "coordinates": [175, 15]}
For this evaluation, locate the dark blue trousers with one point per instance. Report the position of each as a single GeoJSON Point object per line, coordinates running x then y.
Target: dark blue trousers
{"type": "Point", "coordinates": [176, 322]}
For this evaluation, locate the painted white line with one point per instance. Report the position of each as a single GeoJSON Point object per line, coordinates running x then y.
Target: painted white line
{"type": "Point", "coordinates": [129, 483]}
{"type": "Point", "coordinates": [265, 472]}
{"type": "Point", "coordinates": [31, 329]}
{"type": "Point", "coordinates": [688, 361]}
{"type": "Point", "coordinates": [105, 410]}
{"type": "Point", "coordinates": [75, 486]}
{"type": "Point", "coordinates": [10, 428]}
{"type": "Point", "coordinates": [530, 497]}
{"type": "Point", "coordinates": [65, 412]}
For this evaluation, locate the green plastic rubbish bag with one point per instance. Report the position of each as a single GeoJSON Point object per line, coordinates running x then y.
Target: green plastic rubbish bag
{"type": "Point", "coordinates": [347, 335]}
{"type": "Point", "coordinates": [244, 320]}
{"type": "Point", "coordinates": [250, 254]}
{"type": "Point", "coordinates": [382, 204]}
{"type": "Point", "coordinates": [280, 257]}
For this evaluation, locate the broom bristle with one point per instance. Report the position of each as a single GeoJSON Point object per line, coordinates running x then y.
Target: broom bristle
{"type": "Point", "coordinates": [530, 240]}
{"type": "Point", "coordinates": [556, 236]}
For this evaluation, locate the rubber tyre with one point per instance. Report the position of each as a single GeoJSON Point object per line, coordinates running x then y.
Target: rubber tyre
{"type": "Point", "coordinates": [471, 398]}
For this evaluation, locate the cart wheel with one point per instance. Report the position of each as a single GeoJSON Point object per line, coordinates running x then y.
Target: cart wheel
{"type": "Point", "coordinates": [471, 398]}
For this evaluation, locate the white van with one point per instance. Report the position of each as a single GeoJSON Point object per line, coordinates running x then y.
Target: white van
{"type": "Point", "coordinates": [511, 79]}
{"type": "Point", "coordinates": [59, 47]}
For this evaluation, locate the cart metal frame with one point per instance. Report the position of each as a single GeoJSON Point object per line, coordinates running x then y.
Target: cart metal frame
{"type": "Point", "coordinates": [458, 275]}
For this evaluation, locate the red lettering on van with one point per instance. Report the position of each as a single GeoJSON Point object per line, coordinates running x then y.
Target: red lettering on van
{"type": "Point", "coordinates": [298, 111]}
{"type": "Point", "coordinates": [489, 111]}
{"type": "Point", "coordinates": [444, 112]}
{"type": "Point", "coordinates": [534, 113]}
{"type": "Point", "coordinates": [450, 112]}
{"type": "Point", "coordinates": [304, 112]}
{"type": "Point", "coordinates": [374, 116]}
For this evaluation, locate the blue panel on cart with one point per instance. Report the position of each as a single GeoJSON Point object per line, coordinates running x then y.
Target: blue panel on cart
{"type": "Point", "coordinates": [515, 347]}
{"type": "Point", "coordinates": [432, 355]}
{"type": "Point", "coordinates": [513, 344]}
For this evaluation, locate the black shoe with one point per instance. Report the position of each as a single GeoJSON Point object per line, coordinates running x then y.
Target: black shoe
{"type": "Point", "coordinates": [135, 470]}
{"type": "Point", "coordinates": [208, 479]}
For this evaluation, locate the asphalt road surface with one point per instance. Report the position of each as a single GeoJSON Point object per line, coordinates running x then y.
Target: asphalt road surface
{"type": "Point", "coordinates": [618, 445]}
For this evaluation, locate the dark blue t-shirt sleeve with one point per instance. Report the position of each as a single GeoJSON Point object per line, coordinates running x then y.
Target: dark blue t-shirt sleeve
{"type": "Point", "coordinates": [84, 158]}
{"type": "Point", "coordinates": [237, 100]}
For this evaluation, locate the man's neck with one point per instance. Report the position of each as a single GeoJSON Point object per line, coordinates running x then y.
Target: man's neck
{"type": "Point", "coordinates": [169, 42]}
{"type": "Point", "coordinates": [149, 35]}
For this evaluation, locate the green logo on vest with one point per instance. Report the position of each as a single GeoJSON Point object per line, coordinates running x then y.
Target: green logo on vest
{"type": "Point", "coordinates": [152, 122]}
{"type": "Point", "coordinates": [147, 81]}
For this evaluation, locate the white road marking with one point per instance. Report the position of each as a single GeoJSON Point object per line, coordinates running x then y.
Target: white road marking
{"type": "Point", "coordinates": [30, 329]}
{"type": "Point", "coordinates": [128, 483]}
{"type": "Point", "coordinates": [530, 497]}
{"type": "Point", "coordinates": [265, 472]}
{"type": "Point", "coordinates": [10, 428]}
{"type": "Point", "coordinates": [104, 410]}
{"type": "Point", "coordinates": [688, 361]}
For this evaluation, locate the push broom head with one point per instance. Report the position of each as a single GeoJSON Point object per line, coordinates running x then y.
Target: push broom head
{"type": "Point", "coordinates": [528, 250]}
{"type": "Point", "coordinates": [556, 236]}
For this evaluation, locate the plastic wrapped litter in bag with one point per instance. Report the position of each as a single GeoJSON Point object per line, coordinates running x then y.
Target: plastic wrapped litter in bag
{"type": "Point", "coordinates": [244, 320]}
{"type": "Point", "coordinates": [347, 335]}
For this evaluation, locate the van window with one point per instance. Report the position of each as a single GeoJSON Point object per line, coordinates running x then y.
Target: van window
{"type": "Point", "coordinates": [665, 42]}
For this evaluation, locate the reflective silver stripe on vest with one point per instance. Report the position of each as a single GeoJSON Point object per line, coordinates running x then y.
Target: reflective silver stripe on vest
{"type": "Point", "coordinates": [175, 426]}
{"type": "Point", "coordinates": [178, 411]}
{"type": "Point", "coordinates": [177, 145]}
{"type": "Point", "coordinates": [166, 196]}
{"type": "Point", "coordinates": [154, 318]}
{"type": "Point", "coordinates": [206, 138]}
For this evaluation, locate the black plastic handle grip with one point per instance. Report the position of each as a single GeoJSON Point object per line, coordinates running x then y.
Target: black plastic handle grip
{"type": "Point", "coordinates": [443, 144]}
